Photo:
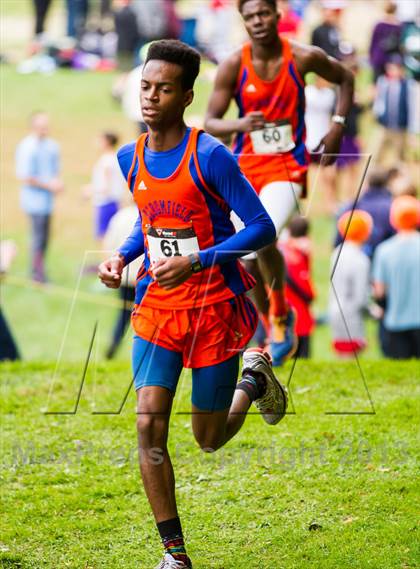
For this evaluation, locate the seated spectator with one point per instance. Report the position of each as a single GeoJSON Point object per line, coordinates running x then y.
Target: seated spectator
{"type": "Point", "coordinates": [299, 288]}
{"type": "Point", "coordinates": [376, 201]}
{"type": "Point", "coordinates": [385, 40]}
{"type": "Point", "coordinates": [349, 292]}
{"type": "Point", "coordinates": [396, 280]}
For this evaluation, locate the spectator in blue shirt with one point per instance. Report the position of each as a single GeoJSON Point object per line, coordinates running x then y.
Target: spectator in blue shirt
{"type": "Point", "coordinates": [38, 169]}
{"type": "Point", "coordinates": [396, 279]}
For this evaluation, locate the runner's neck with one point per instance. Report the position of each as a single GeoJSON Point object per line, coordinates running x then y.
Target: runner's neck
{"type": "Point", "coordinates": [267, 52]}
{"type": "Point", "coordinates": [164, 140]}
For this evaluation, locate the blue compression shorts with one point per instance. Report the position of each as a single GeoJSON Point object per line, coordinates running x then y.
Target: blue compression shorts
{"type": "Point", "coordinates": [212, 386]}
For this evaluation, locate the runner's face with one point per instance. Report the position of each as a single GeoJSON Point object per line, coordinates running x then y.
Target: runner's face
{"type": "Point", "coordinates": [162, 97]}
{"type": "Point", "coordinates": [260, 21]}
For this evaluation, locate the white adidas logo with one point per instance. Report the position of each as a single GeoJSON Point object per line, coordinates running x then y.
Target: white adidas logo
{"type": "Point", "coordinates": [142, 186]}
{"type": "Point", "coordinates": [251, 89]}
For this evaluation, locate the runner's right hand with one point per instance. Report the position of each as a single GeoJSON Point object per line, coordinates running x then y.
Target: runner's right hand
{"type": "Point", "coordinates": [110, 271]}
{"type": "Point", "coordinates": [252, 121]}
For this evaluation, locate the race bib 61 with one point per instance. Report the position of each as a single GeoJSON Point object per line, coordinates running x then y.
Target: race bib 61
{"type": "Point", "coordinates": [165, 242]}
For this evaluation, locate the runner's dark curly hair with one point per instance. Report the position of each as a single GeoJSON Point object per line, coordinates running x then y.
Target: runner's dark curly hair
{"type": "Point", "coordinates": [271, 3]}
{"type": "Point", "coordinates": [175, 51]}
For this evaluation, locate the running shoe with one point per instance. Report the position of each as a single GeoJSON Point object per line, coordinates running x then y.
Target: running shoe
{"type": "Point", "coordinates": [283, 337]}
{"type": "Point", "coordinates": [169, 562]}
{"type": "Point", "coordinates": [273, 403]}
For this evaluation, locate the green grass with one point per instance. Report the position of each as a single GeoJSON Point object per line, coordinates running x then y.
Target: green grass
{"type": "Point", "coordinates": [72, 496]}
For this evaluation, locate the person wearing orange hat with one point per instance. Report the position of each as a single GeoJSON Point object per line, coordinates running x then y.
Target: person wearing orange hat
{"type": "Point", "coordinates": [349, 292]}
{"type": "Point", "coordinates": [396, 279]}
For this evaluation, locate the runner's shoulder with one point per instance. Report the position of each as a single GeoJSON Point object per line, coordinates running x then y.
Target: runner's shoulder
{"type": "Point", "coordinates": [304, 55]}
{"type": "Point", "coordinates": [126, 150]}
{"type": "Point", "coordinates": [125, 157]}
{"type": "Point", "coordinates": [209, 147]}
{"type": "Point", "coordinates": [228, 69]}
{"type": "Point", "coordinates": [213, 156]}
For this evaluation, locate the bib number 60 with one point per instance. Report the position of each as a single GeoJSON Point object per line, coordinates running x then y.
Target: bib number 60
{"type": "Point", "coordinates": [270, 135]}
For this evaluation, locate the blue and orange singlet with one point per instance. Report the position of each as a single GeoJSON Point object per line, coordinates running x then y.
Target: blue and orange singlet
{"type": "Point", "coordinates": [278, 152]}
{"type": "Point", "coordinates": [178, 216]}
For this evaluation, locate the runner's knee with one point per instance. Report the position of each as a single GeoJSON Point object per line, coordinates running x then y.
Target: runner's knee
{"type": "Point", "coordinates": [210, 444]}
{"type": "Point", "coordinates": [152, 430]}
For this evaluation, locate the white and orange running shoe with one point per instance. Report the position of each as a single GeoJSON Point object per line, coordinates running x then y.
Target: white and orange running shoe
{"type": "Point", "coordinates": [273, 403]}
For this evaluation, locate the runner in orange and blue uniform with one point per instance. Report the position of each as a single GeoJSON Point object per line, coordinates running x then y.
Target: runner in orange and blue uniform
{"type": "Point", "coordinates": [283, 156]}
{"type": "Point", "coordinates": [266, 79]}
{"type": "Point", "coordinates": [191, 307]}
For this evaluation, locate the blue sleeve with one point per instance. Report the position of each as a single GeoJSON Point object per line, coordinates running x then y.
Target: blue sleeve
{"type": "Point", "coordinates": [222, 173]}
{"type": "Point", "coordinates": [133, 246]}
{"type": "Point", "coordinates": [125, 156]}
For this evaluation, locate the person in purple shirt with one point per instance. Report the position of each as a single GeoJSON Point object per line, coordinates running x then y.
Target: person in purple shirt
{"type": "Point", "coordinates": [385, 40]}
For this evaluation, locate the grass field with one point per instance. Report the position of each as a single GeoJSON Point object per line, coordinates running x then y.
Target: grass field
{"type": "Point", "coordinates": [332, 487]}
{"type": "Point", "coordinates": [317, 491]}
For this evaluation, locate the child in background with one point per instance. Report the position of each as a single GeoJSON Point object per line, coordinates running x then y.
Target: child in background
{"type": "Point", "coordinates": [299, 288]}
{"type": "Point", "coordinates": [107, 185]}
{"type": "Point", "coordinates": [349, 292]}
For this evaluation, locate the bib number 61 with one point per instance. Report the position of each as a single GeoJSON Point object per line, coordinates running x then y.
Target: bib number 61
{"type": "Point", "coordinates": [170, 248]}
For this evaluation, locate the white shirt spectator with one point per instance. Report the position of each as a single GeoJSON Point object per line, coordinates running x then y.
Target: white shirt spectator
{"type": "Point", "coordinates": [320, 103]}
{"type": "Point", "coordinates": [107, 181]}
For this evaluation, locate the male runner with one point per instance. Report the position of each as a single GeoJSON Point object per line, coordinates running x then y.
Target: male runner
{"type": "Point", "coordinates": [191, 307]}
{"type": "Point", "coordinates": [265, 78]}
